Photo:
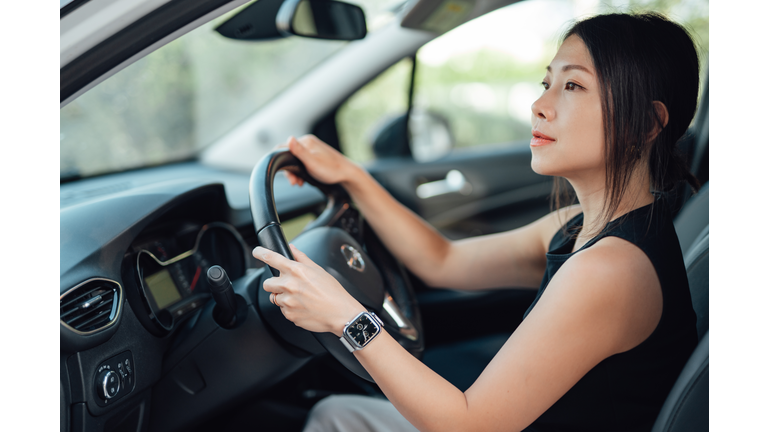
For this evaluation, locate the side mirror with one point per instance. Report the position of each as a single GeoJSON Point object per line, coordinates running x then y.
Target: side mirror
{"type": "Point", "coordinates": [321, 19]}
{"type": "Point", "coordinates": [431, 136]}
{"type": "Point", "coordinates": [425, 135]}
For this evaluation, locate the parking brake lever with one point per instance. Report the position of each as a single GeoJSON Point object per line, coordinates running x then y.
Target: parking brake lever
{"type": "Point", "coordinates": [225, 314]}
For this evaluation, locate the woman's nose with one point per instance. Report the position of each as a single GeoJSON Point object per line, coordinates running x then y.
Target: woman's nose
{"type": "Point", "coordinates": [542, 109]}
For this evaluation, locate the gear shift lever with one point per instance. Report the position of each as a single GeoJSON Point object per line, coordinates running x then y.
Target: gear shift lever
{"type": "Point", "coordinates": [224, 296]}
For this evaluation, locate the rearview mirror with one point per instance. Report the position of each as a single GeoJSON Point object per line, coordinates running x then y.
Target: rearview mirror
{"type": "Point", "coordinates": [321, 19]}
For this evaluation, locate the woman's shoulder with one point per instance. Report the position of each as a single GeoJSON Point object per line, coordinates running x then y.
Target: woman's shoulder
{"type": "Point", "coordinates": [620, 274]}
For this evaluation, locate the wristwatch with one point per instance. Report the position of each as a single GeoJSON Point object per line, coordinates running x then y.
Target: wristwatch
{"type": "Point", "coordinates": [360, 331]}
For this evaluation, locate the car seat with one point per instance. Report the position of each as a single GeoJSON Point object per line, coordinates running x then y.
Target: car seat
{"type": "Point", "coordinates": [693, 217]}
{"type": "Point", "coordinates": [687, 405]}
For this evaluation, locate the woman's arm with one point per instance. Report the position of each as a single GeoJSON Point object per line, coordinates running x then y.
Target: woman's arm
{"type": "Point", "coordinates": [604, 300]}
{"type": "Point", "coordinates": [515, 258]}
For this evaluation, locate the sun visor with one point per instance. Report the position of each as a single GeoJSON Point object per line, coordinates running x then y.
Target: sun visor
{"type": "Point", "coordinates": [440, 16]}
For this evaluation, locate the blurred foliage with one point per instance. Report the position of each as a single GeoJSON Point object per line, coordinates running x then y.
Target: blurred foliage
{"type": "Point", "coordinates": [120, 126]}
{"type": "Point", "coordinates": [476, 97]}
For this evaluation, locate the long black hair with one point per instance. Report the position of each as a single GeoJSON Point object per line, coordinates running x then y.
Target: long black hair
{"type": "Point", "coordinates": [639, 59]}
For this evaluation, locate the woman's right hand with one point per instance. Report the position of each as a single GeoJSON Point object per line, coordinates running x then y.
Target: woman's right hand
{"type": "Point", "coordinates": [322, 161]}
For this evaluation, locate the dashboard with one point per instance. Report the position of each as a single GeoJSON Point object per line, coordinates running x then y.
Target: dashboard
{"type": "Point", "coordinates": [136, 310]}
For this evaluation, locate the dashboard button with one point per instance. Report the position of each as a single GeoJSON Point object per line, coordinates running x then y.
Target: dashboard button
{"type": "Point", "coordinates": [107, 384]}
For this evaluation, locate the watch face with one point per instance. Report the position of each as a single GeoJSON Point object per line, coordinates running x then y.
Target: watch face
{"type": "Point", "coordinates": [362, 330]}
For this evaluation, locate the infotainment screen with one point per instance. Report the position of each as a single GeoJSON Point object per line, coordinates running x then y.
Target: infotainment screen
{"type": "Point", "coordinates": [162, 288]}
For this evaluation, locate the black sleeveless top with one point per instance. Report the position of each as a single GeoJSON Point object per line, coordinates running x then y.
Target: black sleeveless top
{"type": "Point", "coordinates": [625, 392]}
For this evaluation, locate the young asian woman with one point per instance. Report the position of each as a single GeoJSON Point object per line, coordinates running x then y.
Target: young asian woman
{"type": "Point", "coordinates": [612, 323]}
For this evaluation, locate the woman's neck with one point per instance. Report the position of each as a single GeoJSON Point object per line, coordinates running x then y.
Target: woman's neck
{"type": "Point", "coordinates": [591, 196]}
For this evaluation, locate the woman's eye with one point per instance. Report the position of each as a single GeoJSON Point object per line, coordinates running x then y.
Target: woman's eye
{"type": "Point", "coordinates": [571, 86]}
{"type": "Point", "coordinates": [545, 85]}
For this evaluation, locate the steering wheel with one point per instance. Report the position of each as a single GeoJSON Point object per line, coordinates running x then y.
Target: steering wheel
{"type": "Point", "coordinates": [369, 273]}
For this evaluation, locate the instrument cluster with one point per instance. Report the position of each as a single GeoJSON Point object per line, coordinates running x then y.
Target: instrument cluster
{"type": "Point", "coordinates": [171, 269]}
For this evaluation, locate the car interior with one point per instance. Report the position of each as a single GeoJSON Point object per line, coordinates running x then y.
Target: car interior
{"type": "Point", "coordinates": [164, 325]}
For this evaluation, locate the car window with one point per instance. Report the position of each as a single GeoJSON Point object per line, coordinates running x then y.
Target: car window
{"type": "Point", "coordinates": [368, 109]}
{"type": "Point", "coordinates": [478, 81]}
{"type": "Point", "coordinates": [189, 93]}
{"type": "Point", "coordinates": [483, 76]}
{"type": "Point", "coordinates": [179, 98]}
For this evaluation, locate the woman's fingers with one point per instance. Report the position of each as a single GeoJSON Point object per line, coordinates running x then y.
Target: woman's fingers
{"type": "Point", "coordinates": [280, 300]}
{"type": "Point", "coordinates": [306, 294]}
{"type": "Point", "coordinates": [273, 259]}
{"type": "Point", "coordinates": [273, 285]}
{"type": "Point", "coordinates": [293, 145]}
{"type": "Point", "coordinates": [293, 179]}
{"type": "Point", "coordinates": [297, 148]}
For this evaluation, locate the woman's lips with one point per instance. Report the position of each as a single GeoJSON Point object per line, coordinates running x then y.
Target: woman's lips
{"type": "Point", "coordinates": [539, 139]}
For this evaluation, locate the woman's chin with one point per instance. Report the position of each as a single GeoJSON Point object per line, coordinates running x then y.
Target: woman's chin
{"type": "Point", "coordinates": [540, 167]}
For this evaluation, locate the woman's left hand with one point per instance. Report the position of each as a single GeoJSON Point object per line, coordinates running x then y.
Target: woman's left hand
{"type": "Point", "coordinates": [306, 294]}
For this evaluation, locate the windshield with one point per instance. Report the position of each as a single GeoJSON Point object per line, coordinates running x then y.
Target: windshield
{"type": "Point", "coordinates": [172, 103]}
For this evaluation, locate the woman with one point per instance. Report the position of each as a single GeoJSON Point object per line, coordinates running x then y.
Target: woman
{"type": "Point", "coordinates": [612, 324]}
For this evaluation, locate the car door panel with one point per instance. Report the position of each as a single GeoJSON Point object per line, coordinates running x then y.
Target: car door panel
{"type": "Point", "coordinates": [504, 193]}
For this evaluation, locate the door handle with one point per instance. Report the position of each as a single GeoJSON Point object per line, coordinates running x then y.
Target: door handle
{"type": "Point", "coordinates": [454, 182]}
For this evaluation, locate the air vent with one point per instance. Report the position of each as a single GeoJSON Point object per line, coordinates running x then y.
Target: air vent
{"type": "Point", "coordinates": [91, 306]}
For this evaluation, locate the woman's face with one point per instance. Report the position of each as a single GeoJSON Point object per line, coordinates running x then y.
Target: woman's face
{"type": "Point", "coordinates": [567, 122]}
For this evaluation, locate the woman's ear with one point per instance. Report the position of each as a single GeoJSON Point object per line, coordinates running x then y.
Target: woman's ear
{"type": "Point", "coordinates": [660, 120]}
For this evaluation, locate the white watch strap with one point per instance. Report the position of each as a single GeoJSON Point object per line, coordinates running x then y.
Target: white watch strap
{"type": "Point", "coordinates": [346, 344]}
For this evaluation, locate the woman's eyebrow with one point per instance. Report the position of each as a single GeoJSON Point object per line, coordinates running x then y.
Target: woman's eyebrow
{"type": "Point", "coordinates": [566, 68]}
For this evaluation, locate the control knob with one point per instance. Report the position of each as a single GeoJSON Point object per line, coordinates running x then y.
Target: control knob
{"type": "Point", "coordinates": [107, 384]}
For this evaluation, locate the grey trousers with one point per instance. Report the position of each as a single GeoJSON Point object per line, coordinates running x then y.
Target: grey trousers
{"type": "Point", "coordinates": [353, 413]}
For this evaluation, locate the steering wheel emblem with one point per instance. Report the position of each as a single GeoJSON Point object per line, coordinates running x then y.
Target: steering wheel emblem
{"type": "Point", "coordinates": [353, 257]}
